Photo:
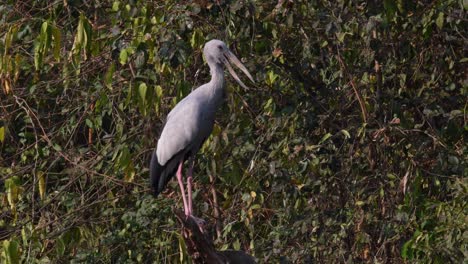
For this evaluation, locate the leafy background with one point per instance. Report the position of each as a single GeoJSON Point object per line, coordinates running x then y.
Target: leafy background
{"type": "Point", "coordinates": [349, 147]}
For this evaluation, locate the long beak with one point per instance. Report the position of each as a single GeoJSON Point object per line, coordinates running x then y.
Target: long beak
{"type": "Point", "coordinates": [233, 59]}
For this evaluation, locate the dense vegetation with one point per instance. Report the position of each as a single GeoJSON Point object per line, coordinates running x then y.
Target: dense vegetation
{"type": "Point", "coordinates": [349, 147]}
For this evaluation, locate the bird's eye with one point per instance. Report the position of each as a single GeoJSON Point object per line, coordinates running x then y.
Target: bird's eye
{"type": "Point", "coordinates": [220, 47]}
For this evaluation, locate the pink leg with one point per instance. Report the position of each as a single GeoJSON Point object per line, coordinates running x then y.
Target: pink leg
{"type": "Point", "coordinates": [182, 189]}
{"type": "Point", "coordinates": [189, 194]}
{"type": "Point", "coordinates": [200, 222]}
{"type": "Point", "coordinates": [189, 187]}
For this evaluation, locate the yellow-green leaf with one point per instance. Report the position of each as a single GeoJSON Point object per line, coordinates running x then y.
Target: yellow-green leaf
{"type": "Point", "coordinates": [79, 33]}
{"type": "Point", "coordinates": [142, 91]}
{"type": "Point", "coordinates": [60, 246]}
{"type": "Point", "coordinates": [271, 77]}
{"type": "Point", "coordinates": [2, 134]}
{"type": "Point", "coordinates": [123, 56]}
{"type": "Point", "coordinates": [236, 245]}
{"type": "Point", "coordinates": [360, 203]}
{"type": "Point", "coordinates": [440, 20]}
{"type": "Point", "coordinates": [130, 173]}
{"type": "Point", "coordinates": [324, 44]}
{"type": "Point", "coordinates": [115, 6]}
{"type": "Point", "coordinates": [87, 37]}
{"type": "Point", "coordinates": [324, 138]}
{"type": "Point", "coordinates": [37, 56]}
{"type": "Point", "coordinates": [11, 250]}
{"type": "Point", "coordinates": [159, 91]}
{"type": "Point", "coordinates": [44, 27]}
{"type": "Point", "coordinates": [108, 76]}
{"type": "Point", "coordinates": [57, 39]}
{"type": "Point", "coordinates": [182, 249]}
{"type": "Point", "coordinates": [197, 39]}
{"type": "Point", "coordinates": [11, 186]}
{"type": "Point", "coordinates": [253, 194]}
{"type": "Point", "coordinates": [41, 183]}
{"type": "Point", "coordinates": [142, 88]}
{"type": "Point", "coordinates": [57, 147]}
{"type": "Point", "coordinates": [9, 37]}
{"type": "Point", "coordinates": [345, 133]}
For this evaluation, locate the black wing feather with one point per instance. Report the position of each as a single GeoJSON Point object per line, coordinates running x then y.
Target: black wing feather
{"type": "Point", "coordinates": [161, 174]}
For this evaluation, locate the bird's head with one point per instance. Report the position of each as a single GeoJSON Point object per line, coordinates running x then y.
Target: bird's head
{"type": "Point", "coordinates": [216, 52]}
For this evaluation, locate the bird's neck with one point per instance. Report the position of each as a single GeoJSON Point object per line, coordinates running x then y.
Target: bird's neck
{"type": "Point", "coordinates": [217, 81]}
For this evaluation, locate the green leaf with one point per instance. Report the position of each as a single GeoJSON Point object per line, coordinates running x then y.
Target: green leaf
{"type": "Point", "coordinates": [2, 134]}
{"type": "Point", "coordinates": [115, 6]}
{"type": "Point", "coordinates": [346, 133]}
{"type": "Point", "coordinates": [80, 33]}
{"type": "Point", "coordinates": [45, 36]}
{"type": "Point", "coordinates": [236, 245]}
{"type": "Point", "coordinates": [87, 43]}
{"type": "Point", "coordinates": [159, 91]}
{"type": "Point", "coordinates": [197, 39]}
{"type": "Point", "coordinates": [268, 104]}
{"type": "Point", "coordinates": [57, 147]}
{"type": "Point", "coordinates": [89, 123]}
{"type": "Point", "coordinates": [42, 184]}
{"type": "Point", "coordinates": [406, 249]}
{"type": "Point", "coordinates": [11, 250]}
{"type": "Point", "coordinates": [182, 249]}
{"type": "Point", "coordinates": [360, 203]}
{"type": "Point", "coordinates": [60, 247]}
{"type": "Point", "coordinates": [440, 20]}
{"type": "Point", "coordinates": [142, 88]}
{"type": "Point", "coordinates": [324, 44]}
{"type": "Point", "coordinates": [124, 159]}
{"type": "Point", "coordinates": [341, 36]}
{"type": "Point", "coordinates": [129, 173]}
{"type": "Point", "coordinates": [142, 91]}
{"type": "Point", "coordinates": [37, 58]}
{"type": "Point", "coordinates": [272, 76]}
{"type": "Point", "coordinates": [12, 189]}
{"type": "Point", "coordinates": [57, 42]}
{"type": "Point", "coordinates": [82, 38]}
{"type": "Point", "coordinates": [108, 77]}
{"type": "Point", "coordinates": [123, 56]}
{"type": "Point", "coordinates": [390, 7]}
{"type": "Point", "coordinates": [325, 137]}
{"type": "Point", "coordinates": [8, 39]}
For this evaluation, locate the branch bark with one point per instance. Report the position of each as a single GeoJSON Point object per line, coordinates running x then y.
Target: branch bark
{"type": "Point", "coordinates": [201, 247]}
{"type": "Point", "coordinates": [354, 86]}
{"type": "Point", "coordinates": [216, 212]}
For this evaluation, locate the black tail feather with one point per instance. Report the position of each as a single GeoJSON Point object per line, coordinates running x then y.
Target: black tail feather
{"type": "Point", "coordinates": [161, 174]}
{"type": "Point", "coordinates": [156, 171]}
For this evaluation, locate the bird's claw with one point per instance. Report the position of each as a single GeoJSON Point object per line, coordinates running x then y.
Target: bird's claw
{"type": "Point", "coordinates": [200, 222]}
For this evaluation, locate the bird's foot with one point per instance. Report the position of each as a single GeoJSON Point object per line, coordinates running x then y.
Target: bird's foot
{"type": "Point", "coordinates": [200, 222]}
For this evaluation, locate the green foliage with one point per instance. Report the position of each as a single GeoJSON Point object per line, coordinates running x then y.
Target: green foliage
{"type": "Point", "coordinates": [350, 147]}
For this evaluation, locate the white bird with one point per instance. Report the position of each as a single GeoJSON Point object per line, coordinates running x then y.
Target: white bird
{"type": "Point", "coordinates": [190, 123]}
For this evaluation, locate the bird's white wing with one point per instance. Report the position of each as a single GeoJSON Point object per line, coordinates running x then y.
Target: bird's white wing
{"type": "Point", "coordinates": [182, 128]}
